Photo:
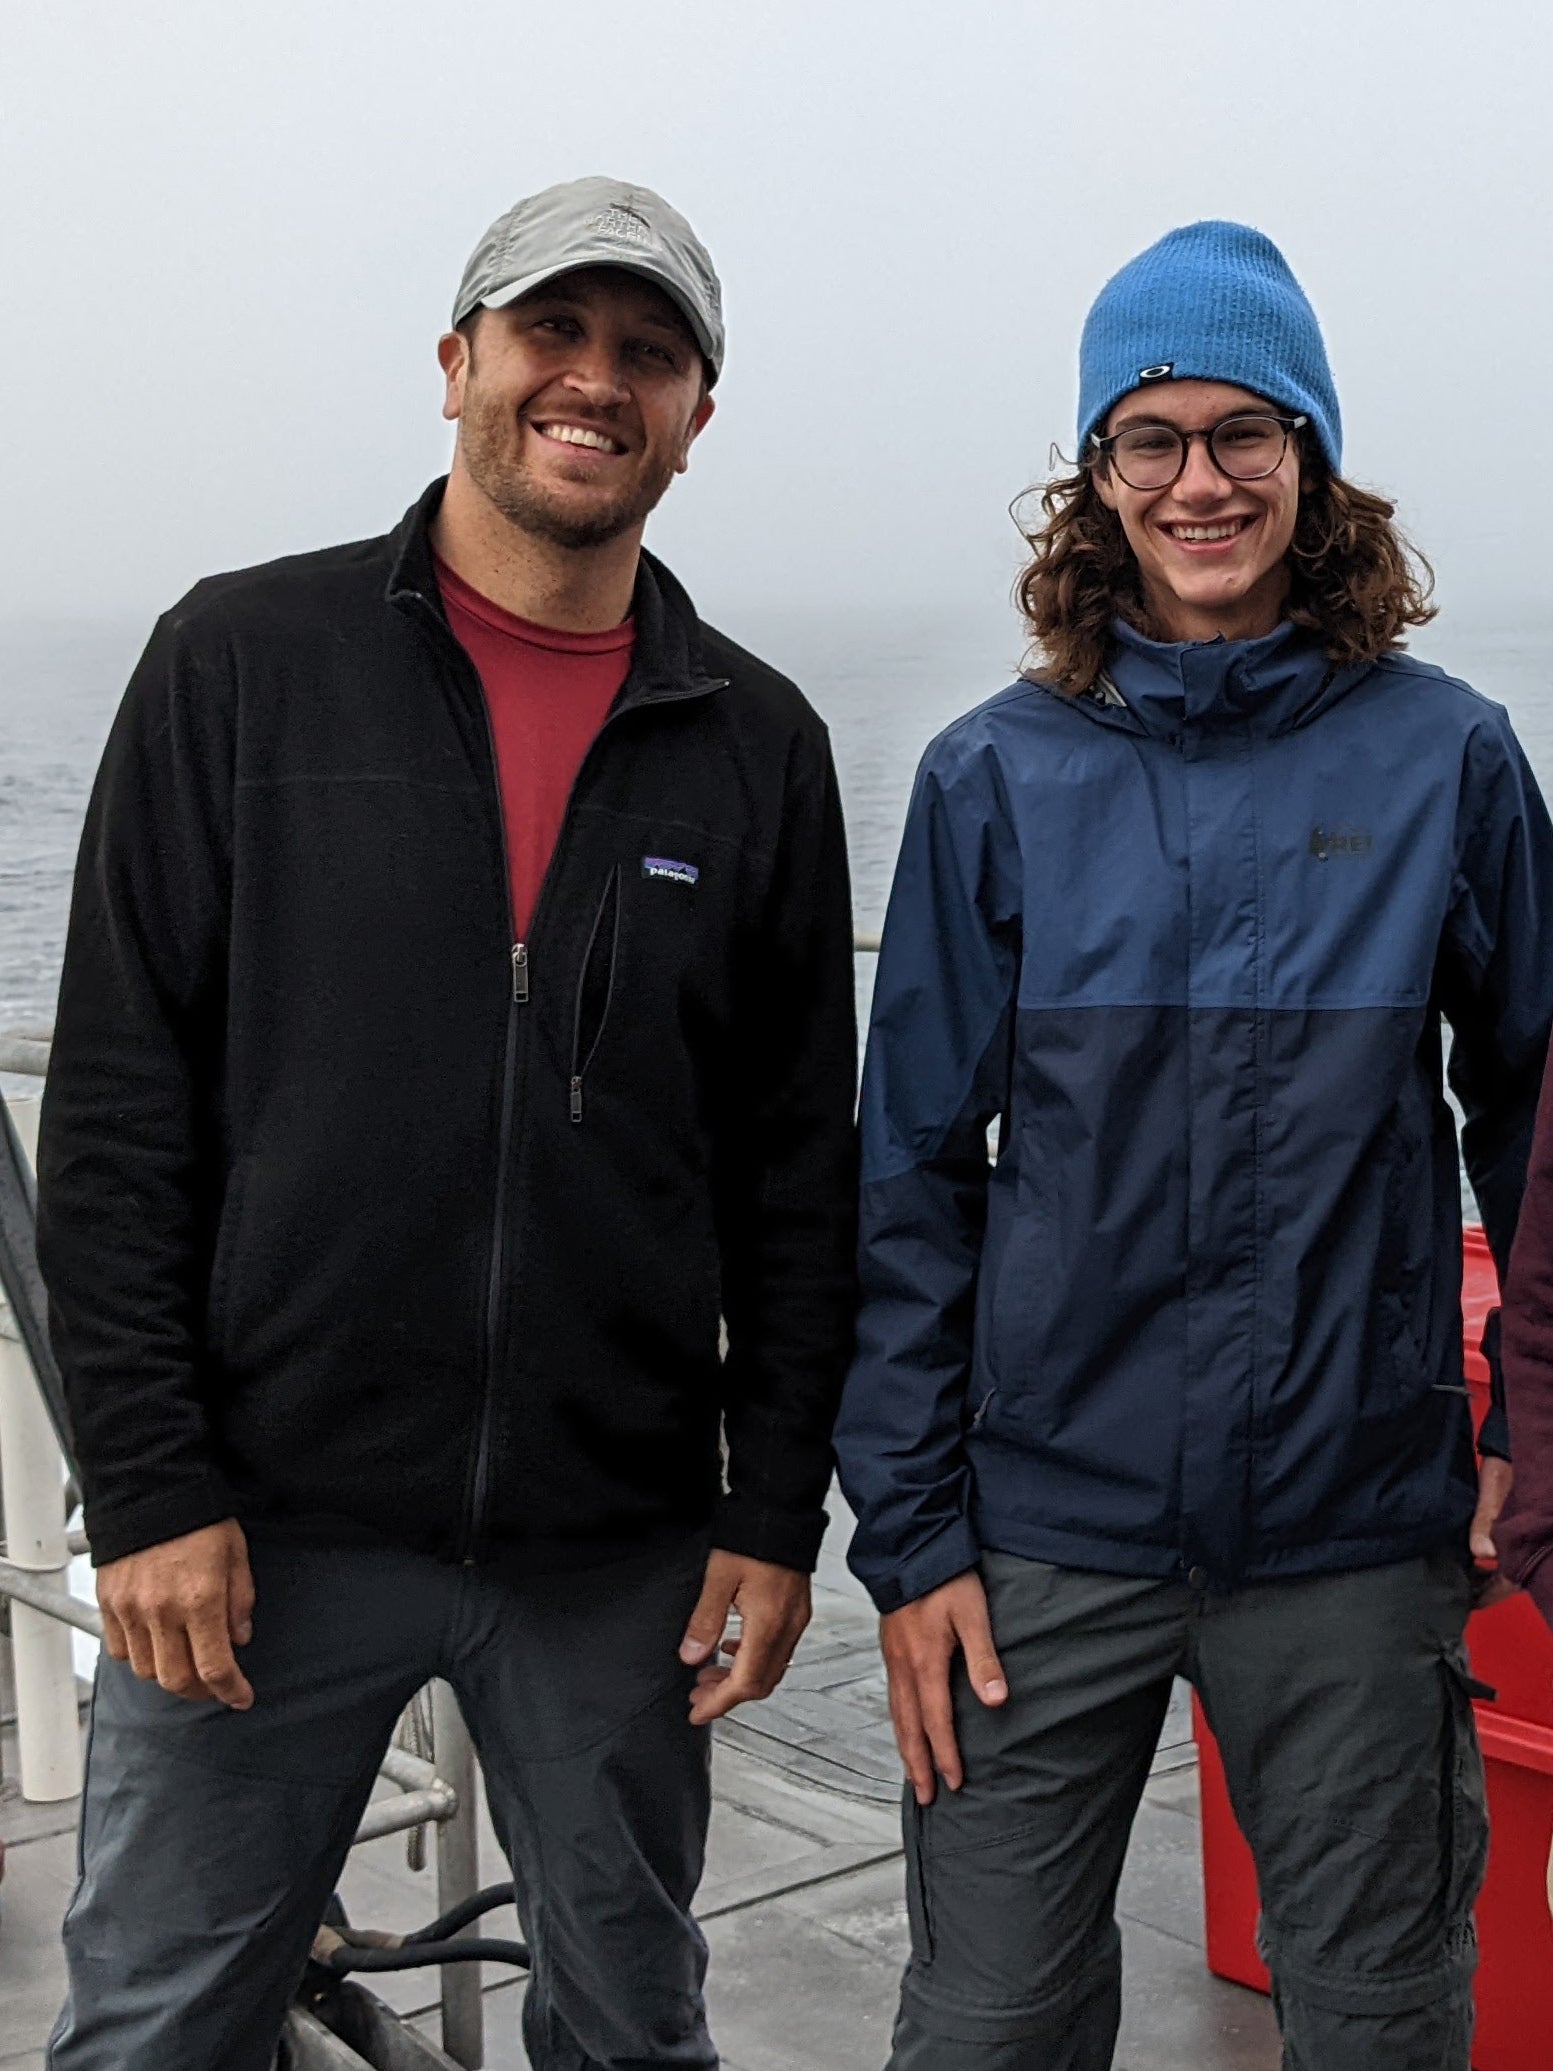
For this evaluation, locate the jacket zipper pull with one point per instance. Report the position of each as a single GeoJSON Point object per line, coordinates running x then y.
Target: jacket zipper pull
{"type": "Point", "coordinates": [576, 1099]}
{"type": "Point", "coordinates": [519, 973]}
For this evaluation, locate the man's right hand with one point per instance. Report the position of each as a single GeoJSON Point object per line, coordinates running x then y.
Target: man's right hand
{"type": "Point", "coordinates": [919, 1643]}
{"type": "Point", "coordinates": [175, 1612]}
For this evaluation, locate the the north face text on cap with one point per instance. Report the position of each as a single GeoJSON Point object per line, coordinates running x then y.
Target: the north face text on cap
{"type": "Point", "coordinates": [625, 226]}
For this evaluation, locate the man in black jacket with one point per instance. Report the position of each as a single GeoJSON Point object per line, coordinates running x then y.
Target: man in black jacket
{"type": "Point", "coordinates": [455, 1037]}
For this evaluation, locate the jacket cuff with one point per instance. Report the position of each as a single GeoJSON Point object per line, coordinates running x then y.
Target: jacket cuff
{"type": "Point", "coordinates": [786, 1538]}
{"type": "Point", "coordinates": [1494, 1432]}
{"type": "Point", "coordinates": [949, 1553]}
{"type": "Point", "coordinates": [1537, 1581]}
{"type": "Point", "coordinates": [118, 1529]}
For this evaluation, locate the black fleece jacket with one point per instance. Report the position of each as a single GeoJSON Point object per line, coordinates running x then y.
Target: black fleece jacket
{"type": "Point", "coordinates": [361, 1220]}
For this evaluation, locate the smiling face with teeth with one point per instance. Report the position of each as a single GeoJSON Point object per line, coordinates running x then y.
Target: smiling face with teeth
{"type": "Point", "coordinates": [576, 406]}
{"type": "Point", "coordinates": [1212, 553]}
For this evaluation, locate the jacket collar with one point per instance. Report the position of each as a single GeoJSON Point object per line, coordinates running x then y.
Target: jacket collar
{"type": "Point", "coordinates": [1266, 686]}
{"type": "Point", "coordinates": [666, 662]}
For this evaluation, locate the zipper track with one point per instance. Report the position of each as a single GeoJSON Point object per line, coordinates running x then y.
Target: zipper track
{"type": "Point", "coordinates": [478, 1484]}
{"type": "Point", "coordinates": [481, 1471]}
{"type": "Point", "coordinates": [518, 993]}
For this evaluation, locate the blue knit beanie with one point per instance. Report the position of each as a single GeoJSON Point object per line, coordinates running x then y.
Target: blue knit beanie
{"type": "Point", "coordinates": [1210, 302]}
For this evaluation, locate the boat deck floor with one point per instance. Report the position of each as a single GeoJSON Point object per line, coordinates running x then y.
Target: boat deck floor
{"type": "Point", "coordinates": [801, 1902]}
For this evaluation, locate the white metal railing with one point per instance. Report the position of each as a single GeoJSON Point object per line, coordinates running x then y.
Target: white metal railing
{"type": "Point", "coordinates": [24, 1586]}
{"type": "Point", "coordinates": [26, 1051]}
{"type": "Point", "coordinates": [32, 1493]}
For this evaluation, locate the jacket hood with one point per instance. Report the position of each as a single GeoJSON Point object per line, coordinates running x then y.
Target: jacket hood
{"type": "Point", "coordinates": [1268, 686]}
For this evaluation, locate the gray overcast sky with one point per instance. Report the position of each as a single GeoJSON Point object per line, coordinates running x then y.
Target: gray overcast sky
{"type": "Point", "coordinates": [230, 232]}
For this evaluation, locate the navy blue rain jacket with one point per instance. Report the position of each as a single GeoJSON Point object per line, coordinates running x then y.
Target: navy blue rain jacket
{"type": "Point", "coordinates": [1190, 939]}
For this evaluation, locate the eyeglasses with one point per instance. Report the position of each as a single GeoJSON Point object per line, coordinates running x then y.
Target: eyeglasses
{"type": "Point", "coordinates": [1152, 456]}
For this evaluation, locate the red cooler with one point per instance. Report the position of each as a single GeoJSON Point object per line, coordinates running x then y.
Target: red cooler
{"type": "Point", "coordinates": [1511, 1649]}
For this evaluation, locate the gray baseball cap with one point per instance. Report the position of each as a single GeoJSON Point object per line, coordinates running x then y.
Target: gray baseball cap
{"type": "Point", "coordinates": [597, 222]}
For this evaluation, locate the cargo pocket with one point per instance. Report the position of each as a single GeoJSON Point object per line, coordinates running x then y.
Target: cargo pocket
{"type": "Point", "coordinates": [919, 1905]}
{"type": "Point", "coordinates": [1464, 1799]}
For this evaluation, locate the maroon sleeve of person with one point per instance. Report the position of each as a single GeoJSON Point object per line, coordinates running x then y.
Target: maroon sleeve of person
{"type": "Point", "coordinates": [1525, 1534]}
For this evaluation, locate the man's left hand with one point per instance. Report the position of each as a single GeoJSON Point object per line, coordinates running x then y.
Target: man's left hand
{"type": "Point", "coordinates": [773, 1608]}
{"type": "Point", "coordinates": [1494, 1479]}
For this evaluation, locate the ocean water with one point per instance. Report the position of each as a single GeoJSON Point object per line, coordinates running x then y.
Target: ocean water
{"type": "Point", "coordinates": [884, 683]}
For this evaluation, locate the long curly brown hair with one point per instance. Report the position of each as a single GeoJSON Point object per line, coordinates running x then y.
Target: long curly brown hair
{"type": "Point", "coordinates": [1356, 582]}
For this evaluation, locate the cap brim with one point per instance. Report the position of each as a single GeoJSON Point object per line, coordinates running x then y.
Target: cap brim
{"type": "Point", "coordinates": [514, 291]}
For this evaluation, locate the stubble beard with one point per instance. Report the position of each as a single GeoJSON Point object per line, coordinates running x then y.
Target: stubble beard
{"type": "Point", "coordinates": [485, 443]}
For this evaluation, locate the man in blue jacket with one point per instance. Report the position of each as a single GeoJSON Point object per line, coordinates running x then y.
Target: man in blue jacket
{"type": "Point", "coordinates": [1173, 1385]}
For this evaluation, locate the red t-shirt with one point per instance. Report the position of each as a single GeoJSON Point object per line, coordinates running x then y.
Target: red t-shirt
{"type": "Point", "coordinates": [548, 693]}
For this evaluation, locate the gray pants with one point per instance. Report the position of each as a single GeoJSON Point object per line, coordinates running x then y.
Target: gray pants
{"type": "Point", "coordinates": [211, 1840]}
{"type": "Point", "coordinates": [1341, 1706]}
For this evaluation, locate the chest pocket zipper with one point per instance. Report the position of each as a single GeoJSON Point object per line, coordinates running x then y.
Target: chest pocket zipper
{"type": "Point", "coordinates": [595, 987]}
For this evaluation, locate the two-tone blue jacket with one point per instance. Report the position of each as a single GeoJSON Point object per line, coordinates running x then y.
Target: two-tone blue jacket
{"type": "Point", "coordinates": [1189, 941]}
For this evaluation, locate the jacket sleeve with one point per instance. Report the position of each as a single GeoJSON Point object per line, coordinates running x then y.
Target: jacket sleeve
{"type": "Point", "coordinates": [123, 1167]}
{"type": "Point", "coordinates": [1496, 983]}
{"type": "Point", "coordinates": [788, 1184]}
{"type": "Point", "coordinates": [1525, 1534]}
{"type": "Point", "coordinates": [937, 1072]}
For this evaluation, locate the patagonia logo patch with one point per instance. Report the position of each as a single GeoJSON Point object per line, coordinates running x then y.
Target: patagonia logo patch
{"type": "Point", "coordinates": [1327, 842]}
{"type": "Point", "coordinates": [665, 866]}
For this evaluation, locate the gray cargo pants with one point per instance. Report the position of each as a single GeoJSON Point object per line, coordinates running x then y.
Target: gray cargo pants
{"type": "Point", "coordinates": [1341, 1706]}
{"type": "Point", "coordinates": [211, 1840]}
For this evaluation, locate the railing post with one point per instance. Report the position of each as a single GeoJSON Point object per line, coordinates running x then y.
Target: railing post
{"type": "Point", "coordinates": [33, 1481]}
{"type": "Point", "coordinates": [458, 1876]}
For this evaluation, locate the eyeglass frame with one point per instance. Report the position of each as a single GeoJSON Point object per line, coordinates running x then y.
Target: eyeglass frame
{"type": "Point", "coordinates": [1288, 425]}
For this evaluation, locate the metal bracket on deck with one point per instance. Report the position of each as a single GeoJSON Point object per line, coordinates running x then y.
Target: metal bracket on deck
{"type": "Point", "coordinates": [359, 2034]}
